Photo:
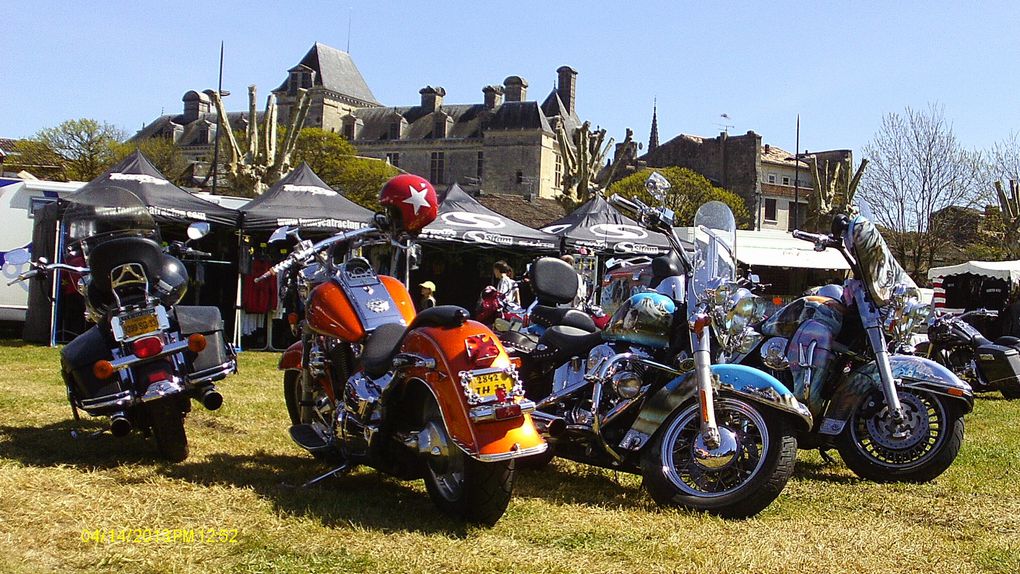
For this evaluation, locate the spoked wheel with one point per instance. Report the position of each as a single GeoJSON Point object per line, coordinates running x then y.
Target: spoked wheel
{"type": "Point", "coordinates": [311, 422]}
{"type": "Point", "coordinates": [459, 485]}
{"type": "Point", "coordinates": [167, 421]}
{"type": "Point", "coordinates": [739, 478]}
{"type": "Point", "coordinates": [918, 449]}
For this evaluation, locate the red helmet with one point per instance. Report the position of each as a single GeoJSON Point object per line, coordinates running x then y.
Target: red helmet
{"type": "Point", "coordinates": [410, 201]}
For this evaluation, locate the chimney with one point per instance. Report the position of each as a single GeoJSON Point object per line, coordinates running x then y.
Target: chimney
{"type": "Point", "coordinates": [566, 85]}
{"type": "Point", "coordinates": [195, 104]}
{"type": "Point", "coordinates": [516, 89]}
{"type": "Point", "coordinates": [493, 96]}
{"type": "Point", "coordinates": [767, 148]}
{"type": "Point", "coordinates": [431, 98]}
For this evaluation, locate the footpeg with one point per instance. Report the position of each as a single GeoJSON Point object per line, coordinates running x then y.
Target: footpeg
{"type": "Point", "coordinates": [308, 438]}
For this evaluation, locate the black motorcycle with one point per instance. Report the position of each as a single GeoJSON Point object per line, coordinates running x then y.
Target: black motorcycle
{"type": "Point", "coordinates": [955, 342]}
{"type": "Point", "coordinates": [145, 357]}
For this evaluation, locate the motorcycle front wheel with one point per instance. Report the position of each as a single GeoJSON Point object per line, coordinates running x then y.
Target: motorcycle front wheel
{"type": "Point", "coordinates": [462, 487]}
{"type": "Point", "coordinates": [917, 450]}
{"type": "Point", "coordinates": [737, 480]}
{"type": "Point", "coordinates": [167, 422]}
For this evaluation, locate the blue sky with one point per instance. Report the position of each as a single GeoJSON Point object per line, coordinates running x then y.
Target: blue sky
{"type": "Point", "coordinates": [840, 65]}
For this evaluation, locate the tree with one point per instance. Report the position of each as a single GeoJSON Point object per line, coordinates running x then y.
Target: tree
{"type": "Point", "coordinates": [162, 152]}
{"type": "Point", "coordinates": [37, 159]}
{"type": "Point", "coordinates": [1004, 158]}
{"type": "Point", "coordinates": [335, 160]}
{"type": "Point", "coordinates": [688, 192]}
{"type": "Point", "coordinates": [917, 169]}
{"type": "Point", "coordinates": [85, 145]}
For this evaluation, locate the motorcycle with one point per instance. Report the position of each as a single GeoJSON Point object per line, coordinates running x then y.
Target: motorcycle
{"type": "Point", "coordinates": [431, 395]}
{"type": "Point", "coordinates": [954, 342]}
{"type": "Point", "coordinates": [713, 438]}
{"type": "Point", "coordinates": [146, 356]}
{"type": "Point", "coordinates": [892, 417]}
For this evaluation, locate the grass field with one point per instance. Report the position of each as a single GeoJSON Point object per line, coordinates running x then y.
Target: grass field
{"type": "Point", "coordinates": [569, 518]}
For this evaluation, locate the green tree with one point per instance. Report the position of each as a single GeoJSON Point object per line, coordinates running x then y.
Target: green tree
{"type": "Point", "coordinates": [688, 192]}
{"type": "Point", "coordinates": [162, 152]}
{"type": "Point", "coordinates": [85, 145]}
{"type": "Point", "coordinates": [335, 160]}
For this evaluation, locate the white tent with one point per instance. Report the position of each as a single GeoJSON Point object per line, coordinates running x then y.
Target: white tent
{"type": "Point", "coordinates": [770, 248]}
{"type": "Point", "coordinates": [1006, 270]}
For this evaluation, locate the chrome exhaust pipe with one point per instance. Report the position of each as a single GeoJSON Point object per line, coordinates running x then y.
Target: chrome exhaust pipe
{"type": "Point", "coordinates": [211, 398]}
{"type": "Point", "coordinates": [119, 424]}
{"type": "Point", "coordinates": [548, 425]}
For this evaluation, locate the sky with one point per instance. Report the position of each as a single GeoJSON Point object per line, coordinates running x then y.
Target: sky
{"type": "Point", "coordinates": [842, 66]}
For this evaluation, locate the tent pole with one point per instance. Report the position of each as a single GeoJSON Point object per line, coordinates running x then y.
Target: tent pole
{"type": "Point", "coordinates": [55, 288]}
{"type": "Point", "coordinates": [237, 297]}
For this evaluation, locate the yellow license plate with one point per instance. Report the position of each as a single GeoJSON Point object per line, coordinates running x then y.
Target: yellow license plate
{"type": "Point", "coordinates": [140, 325]}
{"type": "Point", "coordinates": [486, 385]}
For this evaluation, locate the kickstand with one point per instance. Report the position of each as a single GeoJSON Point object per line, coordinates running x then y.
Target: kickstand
{"type": "Point", "coordinates": [335, 472]}
{"type": "Point", "coordinates": [824, 452]}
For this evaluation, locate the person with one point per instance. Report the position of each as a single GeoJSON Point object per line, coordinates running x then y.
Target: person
{"type": "Point", "coordinates": [428, 295]}
{"type": "Point", "coordinates": [582, 287]}
{"type": "Point", "coordinates": [505, 284]}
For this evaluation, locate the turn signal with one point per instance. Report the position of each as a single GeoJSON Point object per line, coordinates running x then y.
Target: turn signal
{"type": "Point", "coordinates": [292, 318]}
{"type": "Point", "coordinates": [698, 323]}
{"type": "Point", "coordinates": [103, 369]}
{"type": "Point", "coordinates": [196, 342]}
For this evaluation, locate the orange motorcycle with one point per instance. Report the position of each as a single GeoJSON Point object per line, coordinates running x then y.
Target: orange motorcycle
{"type": "Point", "coordinates": [431, 395]}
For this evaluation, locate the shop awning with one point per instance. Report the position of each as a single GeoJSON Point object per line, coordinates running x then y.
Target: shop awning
{"type": "Point", "coordinates": [780, 249]}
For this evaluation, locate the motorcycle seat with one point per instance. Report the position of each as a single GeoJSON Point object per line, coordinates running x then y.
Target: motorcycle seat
{"type": "Point", "coordinates": [384, 342]}
{"type": "Point", "coordinates": [564, 342]}
{"type": "Point", "coordinates": [564, 316]}
{"type": "Point", "coordinates": [1008, 341]}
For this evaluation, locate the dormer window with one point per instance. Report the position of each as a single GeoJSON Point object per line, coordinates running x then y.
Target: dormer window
{"type": "Point", "coordinates": [439, 127]}
{"type": "Point", "coordinates": [394, 131]}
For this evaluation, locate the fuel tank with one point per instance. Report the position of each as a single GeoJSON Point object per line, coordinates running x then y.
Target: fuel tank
{"type": "Point", "coordinates": [332, 313]}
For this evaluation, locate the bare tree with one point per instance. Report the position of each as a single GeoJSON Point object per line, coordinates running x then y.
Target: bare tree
{"type": "Point", "coordinates": [1004, 158]}
{"type": "Point", "coordinates": [917, 169]}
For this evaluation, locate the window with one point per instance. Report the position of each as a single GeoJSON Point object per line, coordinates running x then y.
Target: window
{"type": "Point", "coordinates": [770, 209]}
{"type": "Point", "coordinates": [796, 219]}
{"type": "Point", "coordinates": [559, 170]}
{"type": "Point", "coordinates": [349, 130]}
{"type": "Point", "coordinates": [37, 203]}
{"type": "Point", "coordinates": [480, 166]}
{"type": "Point", "coordinates": [394, 131]}
{"type": "Point", "coordinates": [772, 178]}
{"type": "Point", "coordinates": [438, 168]}
{"type": "Point", "coordinates": [520, 177]}
{"type": "Point", "coordinates": [439, 127]}
{"type": "Point", "coordinates": [786, 180]}
{"type": "Point", "coordinates": [393, 158]}
{"type": "Point", "coordinates": [306, 79]}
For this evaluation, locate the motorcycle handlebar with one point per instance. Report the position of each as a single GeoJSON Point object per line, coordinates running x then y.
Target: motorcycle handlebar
{"type": "Point", "coordinates": [820, 240]}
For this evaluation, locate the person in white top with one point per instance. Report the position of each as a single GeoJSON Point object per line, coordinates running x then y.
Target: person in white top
{"type": "Point", "coordinates": [505, 284]}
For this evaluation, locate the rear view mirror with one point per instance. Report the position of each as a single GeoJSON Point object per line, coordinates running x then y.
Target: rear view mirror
{"type": "Point", "coordinates": [279, 234]}
{"type": "Point", "coordinates": [657, 186]}
{"type": "Point", "coordinates": [198, 230]}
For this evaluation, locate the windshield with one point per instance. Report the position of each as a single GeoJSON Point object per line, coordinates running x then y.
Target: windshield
{"type": "Point", "coordinates": [99, 214]}
{"type": "Point", "coordinates": [880, 271]}
{"type": "Point", "coordinates": [715, 239]}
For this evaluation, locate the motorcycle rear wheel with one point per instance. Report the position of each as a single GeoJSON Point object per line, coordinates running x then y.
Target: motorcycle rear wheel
{"type": "Point", "coordinates": [167, 422]}
{"type": "Point", "coordinates": [744, 483]}
{"type": "Point", "coordinates": [460, 486]}
{"type": "Point", "coordinates": [875, 450]}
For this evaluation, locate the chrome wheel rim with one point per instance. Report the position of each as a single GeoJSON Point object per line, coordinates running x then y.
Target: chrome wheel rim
{"type": "Point", "coordinates": [445, 460]}
{"type": "Point", "coordinates": [686, 465]}
{"type": "Point", "coordinates": [905, 445]}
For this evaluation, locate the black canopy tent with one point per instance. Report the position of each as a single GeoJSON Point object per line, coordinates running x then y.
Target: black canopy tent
{"type": "Point", "coordinates": [598, 227]}
{"type": "Point", "coordinates": [166, 202]}
{"type": "Point", "coordinates": [303, 199]}
{"type": "Point", "coordinates": [462, 219]}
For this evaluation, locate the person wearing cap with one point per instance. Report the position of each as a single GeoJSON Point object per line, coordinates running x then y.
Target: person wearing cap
{"type": "Point", "coordinates": [428, 295]}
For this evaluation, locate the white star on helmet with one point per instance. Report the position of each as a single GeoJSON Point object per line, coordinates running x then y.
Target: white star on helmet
{"type": "Point", "coordinates": [417, 198]}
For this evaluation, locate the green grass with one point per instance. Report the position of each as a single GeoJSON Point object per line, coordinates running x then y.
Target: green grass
{"type": "Point", "coordinates": [569, 518]}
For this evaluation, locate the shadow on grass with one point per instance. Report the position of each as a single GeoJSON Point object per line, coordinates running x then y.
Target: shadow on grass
{"type": "Point", "coordinates": [823, 472]}
{"type": "Point", "coordinates": [53, 445]}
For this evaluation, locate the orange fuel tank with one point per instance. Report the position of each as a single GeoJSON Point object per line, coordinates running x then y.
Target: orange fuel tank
{"type": "Point", "coordinates": [330, 311]}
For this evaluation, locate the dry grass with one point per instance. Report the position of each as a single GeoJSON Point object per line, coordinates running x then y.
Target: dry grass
{"type": "Point", "coordinates": [570, 518]}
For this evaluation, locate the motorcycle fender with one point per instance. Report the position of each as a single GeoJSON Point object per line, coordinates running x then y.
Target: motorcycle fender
{"type": "Point", "coordinates": [291, 358]}
{"type": "Point", "coordinates": [488, 440]}
{"type": "Point", "coordinates": [909, 371]}
{"type": "Point", "coordinates": [739, 380]}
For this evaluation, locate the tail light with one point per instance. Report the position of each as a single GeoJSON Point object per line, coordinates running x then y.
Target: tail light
{"type": "Point", "coordinates": [147, 347]}
{"type": "Point", "coordinates": [292, 318]}
{"type": "Point", "coordinates": [481, 349]}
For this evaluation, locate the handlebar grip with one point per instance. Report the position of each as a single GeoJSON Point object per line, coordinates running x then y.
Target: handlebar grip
{"type": "Point", "coordinates": [198, 253]}
{"type": "Point", "coordinates": [624, 202]}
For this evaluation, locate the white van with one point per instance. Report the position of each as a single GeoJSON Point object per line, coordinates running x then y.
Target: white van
{"type": "Point", "coordinates": [19, 199]}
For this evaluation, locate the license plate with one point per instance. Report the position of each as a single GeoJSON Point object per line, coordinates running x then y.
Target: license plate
{"type": "Point", "coordinates": [140, 324]}
{"type": "Point", "coordinates": [486, 385]}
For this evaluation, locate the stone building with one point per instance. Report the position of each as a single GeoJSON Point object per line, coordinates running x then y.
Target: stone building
{"type": "Point", "coordinates": [503, 143]}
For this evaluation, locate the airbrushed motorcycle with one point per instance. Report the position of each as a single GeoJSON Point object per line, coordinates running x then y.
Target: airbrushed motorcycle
{"type": "Point", "coordinates": [146, 357]}
{"type": "Point", "coordinates": [715, 438]}
{"type": "Point", "coordinates": [431, 395]}
{"type": "Point", "coordinates": [954, 342]}
{"type": "Point", "coordinates": [892, 417]}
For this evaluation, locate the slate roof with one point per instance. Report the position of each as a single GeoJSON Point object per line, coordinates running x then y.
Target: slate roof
{"type": "Point", "coordinates": [467, 121]}
{"type": "Point", "coordinates": [163, 126]}
{"type": "Point", "coordinates": [335, 71]}
{"type": "Point", "coordinates": [536, 213]}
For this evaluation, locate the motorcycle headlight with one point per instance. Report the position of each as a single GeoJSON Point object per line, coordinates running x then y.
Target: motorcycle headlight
{"type": "Point", "coordinates": [735, 309]}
